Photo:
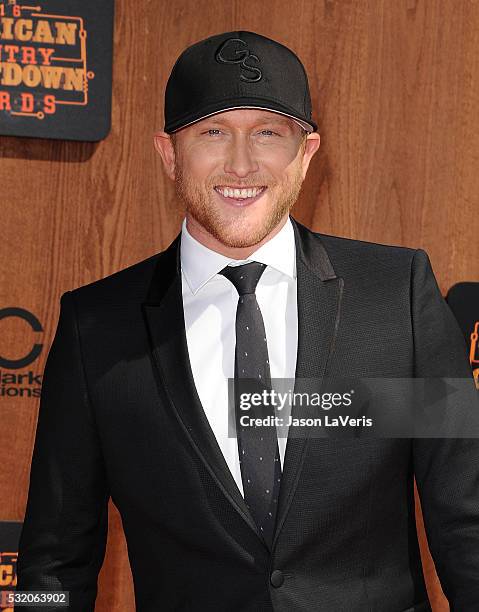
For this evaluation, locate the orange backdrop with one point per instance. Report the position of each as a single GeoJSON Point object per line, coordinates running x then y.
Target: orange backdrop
{"type": "Point", "coordinates": [395, 87]}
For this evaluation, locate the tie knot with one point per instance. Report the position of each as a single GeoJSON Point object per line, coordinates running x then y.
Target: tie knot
{"type": "Point", "coordinates": [244, 277]}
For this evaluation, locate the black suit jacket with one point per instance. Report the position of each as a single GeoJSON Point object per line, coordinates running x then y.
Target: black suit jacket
{"type": "Point", "coordinates": [120, 417]}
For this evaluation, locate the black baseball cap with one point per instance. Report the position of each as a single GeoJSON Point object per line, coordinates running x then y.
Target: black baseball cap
{"type": "Point", "coordinates": [236, 70]}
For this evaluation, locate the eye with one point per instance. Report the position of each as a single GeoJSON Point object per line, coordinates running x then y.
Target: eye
{"type": "Point", "coordinates": [210, 132]}
{"type": "Point", "coordinates": [268, 133]}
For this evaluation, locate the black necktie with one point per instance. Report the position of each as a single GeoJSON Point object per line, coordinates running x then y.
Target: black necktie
{"type": "Point", "coordinates": [257, 447]}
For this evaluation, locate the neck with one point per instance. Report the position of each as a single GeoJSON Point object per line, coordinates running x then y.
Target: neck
{"type": "Point", "coordinates": [199, 233]}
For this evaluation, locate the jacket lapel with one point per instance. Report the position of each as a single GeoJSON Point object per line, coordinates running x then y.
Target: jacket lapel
{"type": "Point", "coordinates": [319, 293]}
{"type": "Point", "coordinates": [163, 311]}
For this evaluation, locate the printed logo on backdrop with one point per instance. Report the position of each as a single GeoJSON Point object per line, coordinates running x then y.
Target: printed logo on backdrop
{"type": "Point", "coordinates": [463, 299]}
{"type": "Point", "coordinates": [9, 538]}
{"type": "Point", "coordinates": [17, 376]}
{"type": "Point", "coordinates": [55, 68]}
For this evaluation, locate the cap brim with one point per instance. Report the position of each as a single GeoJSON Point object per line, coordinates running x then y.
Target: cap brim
{"type": "Point", "coordinates": [309, 126]}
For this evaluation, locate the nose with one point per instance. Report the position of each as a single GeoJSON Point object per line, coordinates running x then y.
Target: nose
{"type": "Point", "coordinates": [240, 159]}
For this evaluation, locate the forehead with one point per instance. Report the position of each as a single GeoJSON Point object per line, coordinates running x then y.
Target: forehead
{"type": "Point", "coordinates": [247, 117]}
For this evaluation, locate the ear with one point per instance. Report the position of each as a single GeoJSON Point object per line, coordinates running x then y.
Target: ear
{"type": "Point", "coordinates": [165, 148]}
{"type": "Point", "coordinates": [310, 148]}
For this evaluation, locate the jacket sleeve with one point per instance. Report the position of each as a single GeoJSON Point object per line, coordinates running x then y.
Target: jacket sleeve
{"type": "Point", "coordinates": [62, 544]}
{"type": "Point", "coordinates": [446, 470]}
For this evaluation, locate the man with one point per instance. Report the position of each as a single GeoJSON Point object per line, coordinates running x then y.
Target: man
{"type": "Point", "coordinates": [135, 399]}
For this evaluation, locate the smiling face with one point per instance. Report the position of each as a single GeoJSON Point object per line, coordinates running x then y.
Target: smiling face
{"type": "Point", "coordinates": [239, 173]}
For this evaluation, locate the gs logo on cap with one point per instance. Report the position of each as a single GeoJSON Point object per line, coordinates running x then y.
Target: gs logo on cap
{"type": "Point", "coordinates": [235, 51]}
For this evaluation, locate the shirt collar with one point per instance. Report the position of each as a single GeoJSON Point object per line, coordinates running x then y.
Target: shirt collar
{"type": "Point", "coordinates": [200, 264]}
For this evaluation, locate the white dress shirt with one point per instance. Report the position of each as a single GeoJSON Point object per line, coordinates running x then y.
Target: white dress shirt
{"type": "Point", "coordinates": [210, 301]}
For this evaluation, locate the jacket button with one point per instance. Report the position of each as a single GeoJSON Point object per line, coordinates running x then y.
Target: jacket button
{"type": "Point", "coordinates": [277, 578]}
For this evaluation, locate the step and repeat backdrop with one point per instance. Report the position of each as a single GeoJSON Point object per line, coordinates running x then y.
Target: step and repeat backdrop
{"type": "Point", "coordinates": [395, 89]}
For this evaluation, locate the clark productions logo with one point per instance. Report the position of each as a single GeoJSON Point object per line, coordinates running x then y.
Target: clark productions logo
{"type": "Point", "coordinates": [55, 65]}
{"type": "Point", "coordinates": [17, 378]}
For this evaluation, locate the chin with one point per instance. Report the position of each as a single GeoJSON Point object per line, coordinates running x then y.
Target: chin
{"type": "Point", "coordinates": [238, 242]}
{"type": "Point", "coordinates": [239, 228]}
{"type": "Point", "coordinates": [244, 233]}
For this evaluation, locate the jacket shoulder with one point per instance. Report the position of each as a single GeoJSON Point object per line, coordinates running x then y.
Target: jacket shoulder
{"type": "Point", "coordinates": [129, 284]}
{"type": "Point", "coordinates": [347, 254]}
{"type": "Point", "coordinates": [364, 246]}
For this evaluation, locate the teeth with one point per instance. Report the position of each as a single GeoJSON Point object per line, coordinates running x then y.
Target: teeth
{"type": "Point", "coordinates": [228, 192]}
